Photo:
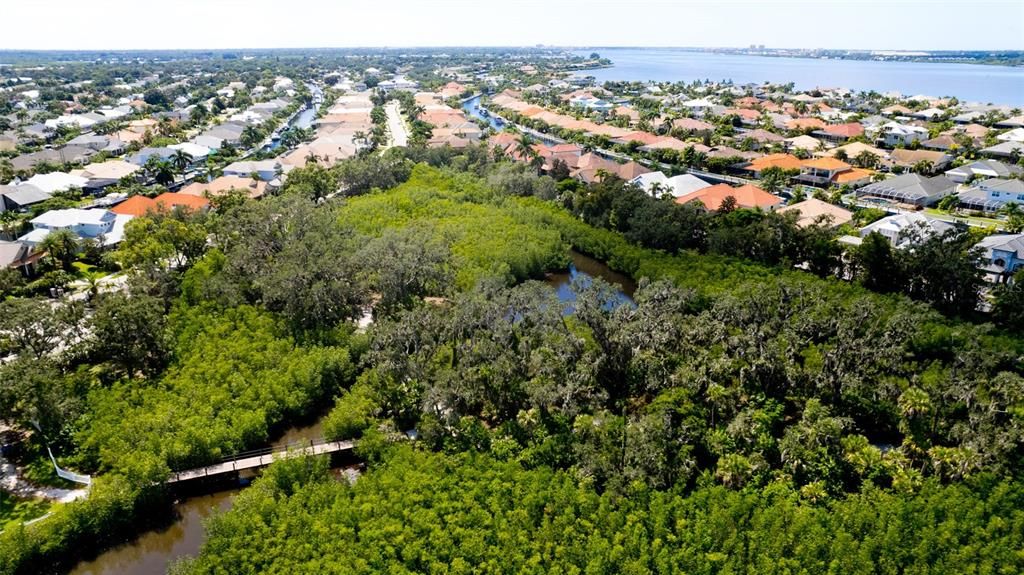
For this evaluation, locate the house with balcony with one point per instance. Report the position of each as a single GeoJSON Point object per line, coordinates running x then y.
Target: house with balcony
{"type": "Point", "coordinates": [894, 134]}
{"type": "Point", "coordinates": [827, 171]}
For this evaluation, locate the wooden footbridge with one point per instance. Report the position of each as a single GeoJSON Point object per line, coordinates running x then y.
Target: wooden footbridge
{"type": "Point", "coordinates": [261, 458]}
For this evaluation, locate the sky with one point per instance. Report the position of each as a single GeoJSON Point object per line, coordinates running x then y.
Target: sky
{"type": "Point", "coordinates": [194, 24]}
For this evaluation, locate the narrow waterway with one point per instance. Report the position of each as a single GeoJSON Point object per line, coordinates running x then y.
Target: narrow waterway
{"type": "Point", "coordinates": [153, 551]}
{"type": "Point", "coordinates": [582, 270]}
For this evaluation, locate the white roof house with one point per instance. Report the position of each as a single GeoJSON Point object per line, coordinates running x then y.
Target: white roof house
{"type": "Point", "coordinates": [56, 181]}
{"type": "Point", "coordinates": [677, 185]}
{"type": "Point", "coordinates": [897, 227]}
{"type": "Point", "coordinates": [1014, 135]}
{"type": "Point", "coordinates": [197, 151]}
{"type": "Point", "coordinates": [84, 223]}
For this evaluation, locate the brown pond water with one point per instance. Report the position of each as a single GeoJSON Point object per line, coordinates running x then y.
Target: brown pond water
{"type": "Point", "coordinates": [583, 267]}
{"type": "Point", "coordinates": [153, 551]}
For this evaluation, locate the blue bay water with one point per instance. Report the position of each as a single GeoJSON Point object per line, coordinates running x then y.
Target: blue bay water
{"type": "Point", "coordinates": [967, 82]}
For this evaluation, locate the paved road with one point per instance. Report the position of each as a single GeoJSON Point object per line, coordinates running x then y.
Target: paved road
{"type": "Point", "coordinates": [396, 125]}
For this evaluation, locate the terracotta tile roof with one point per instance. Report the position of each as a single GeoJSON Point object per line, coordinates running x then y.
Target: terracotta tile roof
{"type": "Point", "coordinates": [803, 123]}
{"type": "Point", "coordinates": [746, 196]}
{"type": "Point", "coordinates": [222, 185]}
{"type": "Point", "coordinates": [692, 125]}
{"type": "Point", "coordinates": [852, 175]}
{"type": "Point", "coordinates": [850, 130]}
{"type": "Point", "coordinates": [826, 163]}
{"type": "Point", "coordinates": [784, 161]}
{"type": "Point", "coordinates": [134, 206]}
{"type": "Point", "coordinates": [172, 200]}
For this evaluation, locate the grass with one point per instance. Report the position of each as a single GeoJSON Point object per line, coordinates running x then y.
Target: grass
{"type": "Point", "coordinates": [985, 222]}
{"type": "Point", "coordinates": [15, 510]}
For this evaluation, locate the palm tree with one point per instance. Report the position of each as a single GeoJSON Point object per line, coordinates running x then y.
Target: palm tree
{"type": "Point", "coordinates": [181, 160]}
{"type": "Point", "coordinates": [62, 247]}
{"type": "Point", "coordinates": [251, 136]}
{"type": "Point", "coordinates": [160, 170]}
{"type": "Point", "coordinates": [9, 222]}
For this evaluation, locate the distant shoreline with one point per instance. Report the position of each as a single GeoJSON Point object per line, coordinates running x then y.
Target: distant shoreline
{"type": "Point", "coordinates": [1011, 59]}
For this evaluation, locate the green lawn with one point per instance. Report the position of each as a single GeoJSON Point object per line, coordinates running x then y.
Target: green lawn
{"type": "Point", "coordinates": [979, 221]}
{"type": "Point", "coordinates": [14, 510]}
{"type": "Point", "coordinates": [83, 270]}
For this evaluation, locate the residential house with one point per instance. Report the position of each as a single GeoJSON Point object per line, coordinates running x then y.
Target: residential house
{"type": "Point", "coordinates": [839, 133]}
{"type": "Point", "coordinates": [103, 174]}
{"type": "Point", "coordinates": [141, 158]}
{"type": "Point", "coordinates": [21, 196]}
{"type": "Point", "coordinates": [1014, 135]}
{"type": "Point", "coordinates": [805, 143]}
{"type": "Point", "coordinates": [830, 171]}
{"type": "Point", "coordinates": [903, 229]}
{"type": "Point", "coordinates": [1012, 150]}
{"type": "Point", "coordinates": [992, 194]}
{"type": "Point", "coordinates": [787, 162]}
{"type": "Point", "coordinates": [910, 158]}
{"type": "Point", "coordinates": [1002, 255]}
{"type": "Point", "coordinates": [56, 182]}
{"type": "Point", "coordinates": [983, 168]}
{"type": "Point", "coordinates": [894, 134]}
{"type": "Point", "coordinates": [224, 185]}
{"type": "Point", "coordinates": [61, 155]}
{"type": "Point", "coordinates": [19, 256]}
{"type": "Point", "coordinates": [91, 224]}
{"type": "Point", "coordinates": [759, 138]}
{"type": "Point", "coordinates": [913, 189]}
{"type": "Point", "coordinates": [267, 170]}
{"type": "Point", "coordinates": [1014, 122]}
{"type": "Point", "coordinates": [942, 143]}
{"type": "Point", "coordinates": [141, 205]}
{"type": "Point", "coordinates": [746, 196]}
{"type": "Point", "coordinates": [656, 183]}
{"type": "Point", "coordinates": [812, 211]}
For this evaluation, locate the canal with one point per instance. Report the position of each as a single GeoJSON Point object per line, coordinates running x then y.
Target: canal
{"type": "Point", "coordinates": [152, 552]}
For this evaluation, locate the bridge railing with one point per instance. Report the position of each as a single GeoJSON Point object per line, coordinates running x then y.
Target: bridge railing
{"type": "Point", "coordinates": [254, 453]}
{"type": "Point", "coordinates": [69, 475]}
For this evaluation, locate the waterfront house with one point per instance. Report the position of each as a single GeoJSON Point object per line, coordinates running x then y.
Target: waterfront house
{"type": "Point", "coordinates": [912, 189]}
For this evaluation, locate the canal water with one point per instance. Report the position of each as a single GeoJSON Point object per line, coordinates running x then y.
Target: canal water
{"type": "Point", "coordinates": [153, 551]}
